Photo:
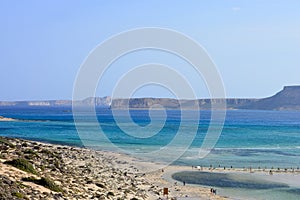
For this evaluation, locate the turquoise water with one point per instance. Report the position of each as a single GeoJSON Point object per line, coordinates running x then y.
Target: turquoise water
{"type": "Point", "coordinates": [249, 138]}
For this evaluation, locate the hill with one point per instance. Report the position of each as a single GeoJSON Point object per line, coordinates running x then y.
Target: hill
{"type": "Point", "coordinates": [286, 99]}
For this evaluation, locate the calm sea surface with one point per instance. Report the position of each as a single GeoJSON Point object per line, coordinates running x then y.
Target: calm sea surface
{"type": "Point", "coordinates": [249, 138]}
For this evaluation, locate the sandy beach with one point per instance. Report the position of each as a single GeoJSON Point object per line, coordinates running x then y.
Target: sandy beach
{"type": "Point", "coordinates": [81, 173]}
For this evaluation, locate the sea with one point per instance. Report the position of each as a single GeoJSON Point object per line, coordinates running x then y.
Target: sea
{"type": "Point", "coordinates": [249, 138]}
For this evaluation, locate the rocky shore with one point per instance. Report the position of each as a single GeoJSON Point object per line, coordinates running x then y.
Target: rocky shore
{"type": "Point", "coordinates": [34, 170]}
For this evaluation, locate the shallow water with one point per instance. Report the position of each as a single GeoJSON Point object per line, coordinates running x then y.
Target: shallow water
{"type": "Point", "coordinates": [274, 194]}
{"type": "Point", "coordinates": [249, 138]}
{"type": "Point", "coordinates": [225, 180]}
{"type": "Point", "coordinates": [240, 185]}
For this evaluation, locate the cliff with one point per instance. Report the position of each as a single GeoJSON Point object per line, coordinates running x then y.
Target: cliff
{"type": "Point", "coordinates": [286, 99]}
{"type": "Point", "coordinates": [205, 104]}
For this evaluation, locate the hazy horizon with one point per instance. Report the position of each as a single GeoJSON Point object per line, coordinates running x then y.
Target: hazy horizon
{"type": "Point", "coordinates": [151, 97]}
{"type": "Point", "coordinates": [254, 44]}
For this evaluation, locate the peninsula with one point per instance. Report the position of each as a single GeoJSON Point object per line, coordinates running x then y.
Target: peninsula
{"type": "Point", "coordinates": [287, 99]}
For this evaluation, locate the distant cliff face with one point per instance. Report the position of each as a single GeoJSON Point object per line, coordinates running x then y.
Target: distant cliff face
{"type": "Point", "coordinates": [97, 101]}
{"type": "Point", "coordinates": [145, 103]}
{"type": "Point", "coordinates": [205, 104]}
{"type": "Point", "coordinates": [286, 99]}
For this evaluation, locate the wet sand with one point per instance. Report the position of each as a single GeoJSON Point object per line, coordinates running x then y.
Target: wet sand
{"type": "Point", "coordinates": [242, 183]}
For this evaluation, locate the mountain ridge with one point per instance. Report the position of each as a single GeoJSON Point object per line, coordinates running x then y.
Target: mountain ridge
{"type": "Point", "coordinates": [286, 99]}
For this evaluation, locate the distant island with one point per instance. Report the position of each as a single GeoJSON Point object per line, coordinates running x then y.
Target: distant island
{"type": "Point", "coordinates": [287, 99]}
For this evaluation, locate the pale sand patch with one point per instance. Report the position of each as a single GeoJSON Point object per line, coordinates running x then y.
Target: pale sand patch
{"type": "Point", "coordinates": [161, 179]}
{"type": "Point", "coordinates": [177, 189]}
{"type": "Point", "coordinates": [5, 119]}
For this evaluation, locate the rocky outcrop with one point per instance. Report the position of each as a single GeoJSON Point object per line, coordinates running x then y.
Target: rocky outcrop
{"type": "Point", "coordinates": [286, 99]}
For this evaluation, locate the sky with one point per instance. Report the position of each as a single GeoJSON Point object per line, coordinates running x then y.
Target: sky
{"type": "Point", "coordinates": [254, 44]}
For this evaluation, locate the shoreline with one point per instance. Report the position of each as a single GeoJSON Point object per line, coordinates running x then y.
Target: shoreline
{"type": "Point", "coordinates": [289, 178]}
{"type": "Point", "coordinates": [83, 173]}
{"type": "Point", "coordinates": [150, 185]}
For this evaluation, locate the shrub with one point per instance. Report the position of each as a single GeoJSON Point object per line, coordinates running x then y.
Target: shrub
{"type": "Point", "coordinates": [29, 151]}
{"type": "Point", "coordinates": [49, 184]}
{"type": "Point", "coordinates": [30, 154]}
{"type": "Point", "coordinates": [24, 144]}
{"type": "Point", "coordinates": [47, 152]}
{"type": "Point", "coordinates": [29, 179]}
{"type": "Point", "coordinates": [19, 195]}
{"type": "Point", "coordinates": [5, 142]}
{"type": "Point", "coordinates": [22, 164]}
{"type": "Point", "coordinates": [45, 182]}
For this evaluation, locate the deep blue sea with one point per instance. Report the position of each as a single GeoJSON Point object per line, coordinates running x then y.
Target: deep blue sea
{"type": "Point", "coordinates": [248, 139]}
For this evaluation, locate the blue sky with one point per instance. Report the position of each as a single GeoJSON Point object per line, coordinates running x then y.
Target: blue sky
{"type": "Point", "coordinates": [255, 44]}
